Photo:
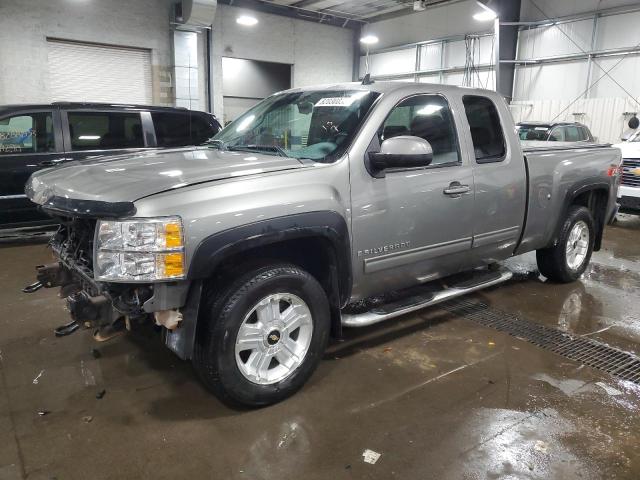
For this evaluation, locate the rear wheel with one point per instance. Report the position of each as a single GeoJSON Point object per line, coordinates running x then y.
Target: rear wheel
{"type": "Point", "coordinates": [261, 338]}
{"type": "Point", "coordinates": [570, 256]}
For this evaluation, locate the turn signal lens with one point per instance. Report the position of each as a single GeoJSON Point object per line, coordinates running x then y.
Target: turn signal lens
{"type": "Point", "coordinates": [171, 265]}
{"type": "Point", "coordinates": [173, 235]}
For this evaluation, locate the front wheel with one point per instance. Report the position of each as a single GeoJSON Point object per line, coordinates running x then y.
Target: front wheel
{"type": "Point", "coordinates": [569, 257]}
{"type": "Point", "coordinates": [262, 337]}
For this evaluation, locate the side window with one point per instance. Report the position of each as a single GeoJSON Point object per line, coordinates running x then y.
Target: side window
{"type": "Point", "coordinates": [573, 134]}
{"type": "Point", "coordinates": [428, 117]}
{"type": "Point", "coordinates": [202, 129]}
{"type": "Point", "coordinates": [172, 129]}
{"type": "Point", "coordinates": [585, 135]}
{"type": "Point", "coordinates": [557, 135]}
{"type": "Point", "coordinates": [486, 130]}
{"type": "Point", "coordinates": [104, 130]}
{"type": "Point", "coordinates": [27, 133]}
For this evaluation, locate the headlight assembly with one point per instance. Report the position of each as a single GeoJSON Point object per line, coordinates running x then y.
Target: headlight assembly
{"type": "Point", "coordinates": [139, 249]}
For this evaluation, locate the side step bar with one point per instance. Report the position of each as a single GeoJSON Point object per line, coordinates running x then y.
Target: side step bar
{"type": "Point", "coordinates": [420, 301]}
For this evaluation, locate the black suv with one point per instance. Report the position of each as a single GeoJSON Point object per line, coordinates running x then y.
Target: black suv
{"type": "Point", "coordinates": [33, 137]}
{"type": "Point", "coordinates": [554, 132]}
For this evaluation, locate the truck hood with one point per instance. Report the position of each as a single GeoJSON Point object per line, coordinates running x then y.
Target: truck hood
{"type": "Point", "coordinates": [126, 178]}
{"type": "Point", "coordinates": [629, 149]}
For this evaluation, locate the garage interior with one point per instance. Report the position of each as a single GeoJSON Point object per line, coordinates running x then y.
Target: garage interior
{"type": "Point", "coordinates": [528, 379]}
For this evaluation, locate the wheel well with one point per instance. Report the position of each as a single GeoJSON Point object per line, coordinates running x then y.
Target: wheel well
{"type": "Point", "coordinates": [315, 255]}
{"type": "Point", "coordinates": [596, 201]}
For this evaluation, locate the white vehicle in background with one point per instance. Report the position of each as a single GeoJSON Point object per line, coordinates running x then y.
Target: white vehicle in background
{"type": "Point", "coordinates": [629, 190]}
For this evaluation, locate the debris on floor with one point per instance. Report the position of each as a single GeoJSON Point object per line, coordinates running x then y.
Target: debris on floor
{"type": "Point", "coordinates": [42, 413]}
{"type": "Point", "coordinates": [100, 394]}
{"type": "Point", "coordinates": [613, 392]}
{"type": "Point", "coordinates": [370, 456]}
{"type": "Point", "coordinates": [37, 379]}
{"type": "Point", "coordinates": [87, 419]}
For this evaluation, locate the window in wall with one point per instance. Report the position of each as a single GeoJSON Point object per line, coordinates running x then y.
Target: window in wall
{"type": "Point", "coordinates": [105, 130]}
{"type": "Point", "coordinates": [486, 130]}
{"type": "Point", "coordinates": [27, 133]}
{"type": "Point", "coordinates": [428, 117]}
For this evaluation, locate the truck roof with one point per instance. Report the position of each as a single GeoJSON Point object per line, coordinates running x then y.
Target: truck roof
{"type": "Point", "coordinates": [392, 86]}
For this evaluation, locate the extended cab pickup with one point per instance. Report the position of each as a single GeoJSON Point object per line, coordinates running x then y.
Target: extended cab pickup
{"type": "Point", "coordinates": [304, 214]}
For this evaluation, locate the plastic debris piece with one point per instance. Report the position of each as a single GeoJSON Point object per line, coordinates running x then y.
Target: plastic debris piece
{"type": "Point", "coordinates": [387, 349]}
{"type": "Point", "coordinates": [610, 390]}
{"type": "Point", "coordinates": [100, 394]}
{"type": "Point", "coordinates": [87, 419]}
{"type": "Point", "coordinates": [370, 456]}
{"type": "Point", "coordinates": [37, 379]}
{"type": "Point", "coordinates": [42, 413]}
{"type": "Point", "coordinates": [541, 446]}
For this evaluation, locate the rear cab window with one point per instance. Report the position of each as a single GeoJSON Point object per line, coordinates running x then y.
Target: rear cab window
{"type": "Point", "coordinates": [27, 133]}
{"type": "Point", "coordinates": [486, 129]}
{"type": "Point", "coordinates": [105, 130]}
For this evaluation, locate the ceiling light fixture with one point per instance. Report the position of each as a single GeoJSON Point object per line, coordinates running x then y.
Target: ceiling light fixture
{"type": "Point", "coordinates": [246, 20]}
{"type": "Point", "coordinates": [369, 39]}
{"type": "Point", "coordinates": [485, 16]}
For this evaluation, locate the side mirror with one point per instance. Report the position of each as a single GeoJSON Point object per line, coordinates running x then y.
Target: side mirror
{"type": "Point", "coordinates": [400, 152]}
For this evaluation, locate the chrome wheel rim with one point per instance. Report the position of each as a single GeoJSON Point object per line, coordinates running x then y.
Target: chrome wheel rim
{"type": "Point", "coordinates": [274, 338]}
{"type": "Point", "coordinates": [577, 245]}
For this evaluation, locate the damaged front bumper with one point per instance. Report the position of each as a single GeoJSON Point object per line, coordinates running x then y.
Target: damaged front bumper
{"type": "Point", "coordinates": [99, 305]}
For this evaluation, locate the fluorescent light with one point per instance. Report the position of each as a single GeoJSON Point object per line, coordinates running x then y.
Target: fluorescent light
{"type": "Point", "coordinates": [485, 15]}
{"type": "Point", "coordinates": [429, 109]}
{"type": "Point", "coordinates": [369, 39]}
{"type": "Point", "coordinates": [246, 20]}
{"type": "Point", "coordinates": [89, 137]}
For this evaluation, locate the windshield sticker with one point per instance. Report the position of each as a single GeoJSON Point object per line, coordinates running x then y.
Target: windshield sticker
{"type": "Point", "coordinates": [544, 129]}
{"type": "Point", "coordinates": [340, 101]}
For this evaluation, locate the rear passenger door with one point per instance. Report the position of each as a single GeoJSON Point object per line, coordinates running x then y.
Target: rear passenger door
{"type": "Point", "coordinates": [500, 181]}
{"type": "Point", "coordinates": [29, 141]}
{"type": "Point", "coordinates": [90, 133]}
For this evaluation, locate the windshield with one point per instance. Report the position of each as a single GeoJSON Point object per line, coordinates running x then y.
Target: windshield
{"type": "Point", "coordinates": [315, 125]}
{"type": "Point", "coordinates": [531, 132]}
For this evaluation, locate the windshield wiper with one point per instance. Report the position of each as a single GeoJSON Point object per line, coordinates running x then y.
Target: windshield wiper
{"type": "Point", "coordinates": [215, 143]}
{"type": "Point", "coordinates": [259, 148]}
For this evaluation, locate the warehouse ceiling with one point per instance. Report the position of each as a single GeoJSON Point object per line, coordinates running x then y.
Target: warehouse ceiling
{"type": "Point", "coordinates": [357, 10]}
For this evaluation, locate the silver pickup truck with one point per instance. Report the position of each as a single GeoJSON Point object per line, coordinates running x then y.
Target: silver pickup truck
{"type": "Point", "coordinates": [320, 208]}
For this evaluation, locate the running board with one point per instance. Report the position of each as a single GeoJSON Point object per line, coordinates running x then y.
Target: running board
{"type": "Point", "coordinates": [417, 302]}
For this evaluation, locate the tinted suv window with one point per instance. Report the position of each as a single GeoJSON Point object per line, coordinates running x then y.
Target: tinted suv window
{"type": "Point", "coordinates": [486, 130]}
{"type": "Point", "coordinates": [428, 117]}
{"type": "Point", "coordinates": [202, 129]}
{"type": "Point", "coordinates": [557, 135]}
{"type": "Point", "coordinates": [172, 129]}
{"type": "Point", "coordinates": [573, 134]}
{"type": "Point", "coordinates": [27, 133]}
{"type": "Point", "coordinates": [105, 130]}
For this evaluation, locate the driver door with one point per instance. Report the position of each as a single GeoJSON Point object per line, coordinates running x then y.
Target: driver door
{"type": "Point", "coordinates": [410, 227]}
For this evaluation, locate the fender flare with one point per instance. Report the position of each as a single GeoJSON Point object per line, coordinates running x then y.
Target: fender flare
{"type": "Point", "coordinates": [328, 225]}
{"type": "Point", "coordinates": [588, 185]}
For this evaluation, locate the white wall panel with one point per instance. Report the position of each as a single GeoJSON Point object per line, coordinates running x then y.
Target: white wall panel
{"type": "Point", "coordinates": [618, 31]}
{"type": "Point", "coordinates": [626, 72]}
{"type": "Point", "coordinates": [551, 41]}
{"type": "Point", "coordinates": [430, 56]}
{"type": "Point", "coordinates": [554, 81]}
{"type": "Point", "coordinates": [389, 63]}
{"type": "Point", "coordinates": [561, 8]}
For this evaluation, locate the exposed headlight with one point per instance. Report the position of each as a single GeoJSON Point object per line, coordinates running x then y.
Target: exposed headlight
{"type": "Point", "coordinates": [139, 249]}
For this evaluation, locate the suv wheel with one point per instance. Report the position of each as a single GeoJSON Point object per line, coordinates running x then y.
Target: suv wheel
{"type": "Point", "coordinates": [261, 339]}
{"type": "Point", "coordinates": [569, 257]}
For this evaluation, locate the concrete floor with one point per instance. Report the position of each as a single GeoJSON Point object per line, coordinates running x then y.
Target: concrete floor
{"type": "Point", "coordinates": [438, 396]}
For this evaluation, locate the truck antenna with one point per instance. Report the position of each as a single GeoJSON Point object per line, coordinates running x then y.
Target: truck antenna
{"type": "Point", "coordinates": [367, 79]}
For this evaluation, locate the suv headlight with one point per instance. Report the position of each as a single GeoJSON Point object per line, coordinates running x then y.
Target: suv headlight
{"type": "Point", "coordinates": [139, 249]}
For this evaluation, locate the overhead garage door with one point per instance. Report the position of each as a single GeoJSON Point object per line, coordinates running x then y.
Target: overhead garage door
{"type": "Point", "coordinates": [82, 72]}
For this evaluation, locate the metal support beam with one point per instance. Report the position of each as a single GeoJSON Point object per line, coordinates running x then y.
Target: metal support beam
{"type": "Point", "coordinates": [506, 46]}
{"type": "Point", "coordinates": [324, 17]}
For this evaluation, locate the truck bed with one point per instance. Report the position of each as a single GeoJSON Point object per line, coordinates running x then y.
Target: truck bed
{"type": "Point", "coordinates": [556, 171]}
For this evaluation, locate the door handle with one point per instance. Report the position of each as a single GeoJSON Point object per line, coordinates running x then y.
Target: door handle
{"type": "Point", "coordinates": [51, 163]}
{"type": "Point", "coordinates": [456, 188]}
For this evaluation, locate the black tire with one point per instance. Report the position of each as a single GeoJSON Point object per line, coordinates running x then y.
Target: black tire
{"type": "Point", "coordinates": [553, 261]}
{"type": "Point", "coordinates": [222, 316]}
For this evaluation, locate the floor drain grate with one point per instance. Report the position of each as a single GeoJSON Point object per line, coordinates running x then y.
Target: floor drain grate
{"type": "Point", "coordinates": [587, 351]}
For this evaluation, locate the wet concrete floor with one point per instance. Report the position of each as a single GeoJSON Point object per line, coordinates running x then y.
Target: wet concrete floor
{"type": "Point", "coordinates": [436, 395]}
